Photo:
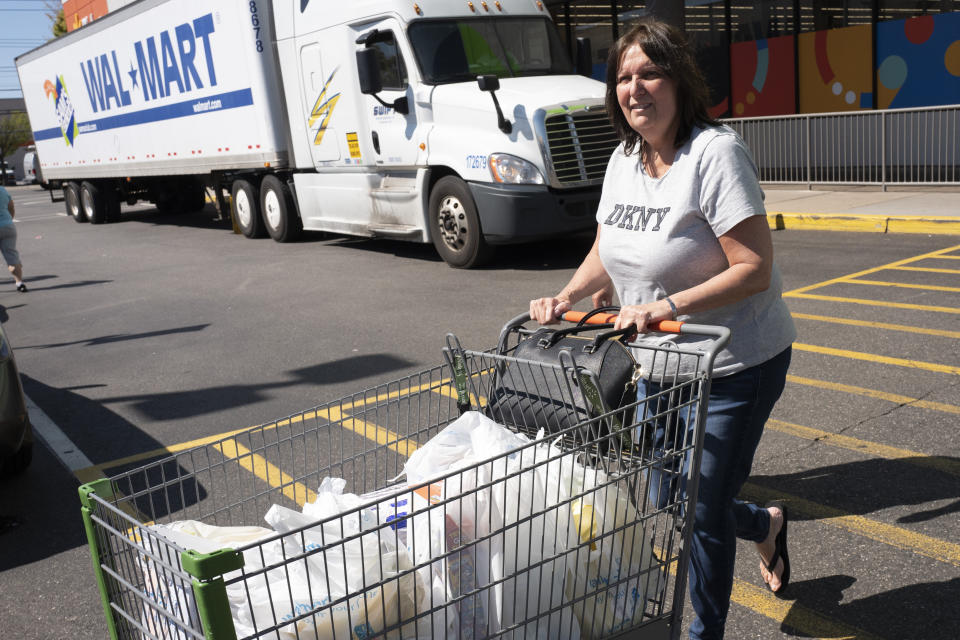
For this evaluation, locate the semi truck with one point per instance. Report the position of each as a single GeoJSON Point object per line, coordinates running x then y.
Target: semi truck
{"type": "Point", "coordinates": [464, 124]}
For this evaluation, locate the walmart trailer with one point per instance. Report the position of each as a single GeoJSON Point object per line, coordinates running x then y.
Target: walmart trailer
{"type": "Point", "coordinates": [458, 123]}
{"type": "Point", "coordinates": [162, 94]}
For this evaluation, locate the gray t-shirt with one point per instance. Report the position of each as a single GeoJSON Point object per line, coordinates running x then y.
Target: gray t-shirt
{"type": "Point", "coordinates": [659, 236]}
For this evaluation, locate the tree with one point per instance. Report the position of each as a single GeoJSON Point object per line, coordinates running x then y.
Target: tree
{"type": "Point", "coordinates": [54, 11]}
{"type": "Point", "coordinates": [59, 24]}
{"type": "Point", "coordinates": [14, 132]}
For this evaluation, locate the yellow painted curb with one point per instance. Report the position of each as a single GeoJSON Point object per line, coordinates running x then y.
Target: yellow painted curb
{"type": "Point", "coordinates": [923, 225]}
{"type": "Point", "coordinates": [865, 223]}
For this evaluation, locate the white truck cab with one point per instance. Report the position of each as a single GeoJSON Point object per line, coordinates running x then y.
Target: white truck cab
{"type": "Point", "coordinates": [447, 121]}
{"type": "Point", "coordinates": [404, 141]}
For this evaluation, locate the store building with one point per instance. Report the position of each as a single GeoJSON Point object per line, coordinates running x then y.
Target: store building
{"type": "Point", "coordinates": [776, 57]}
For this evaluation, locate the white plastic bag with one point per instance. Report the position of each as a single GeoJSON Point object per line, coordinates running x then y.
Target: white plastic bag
{"type": "Point", "coordinates": [513, 558]}
{"type": "Point", "coordinates": [365, 568]}
{"type": "Point", "coordinates": [529, 564]}
{"type": "Point", "coordinates": [614, 549]}
{"type": "Point", "coordinates": [171, 592]}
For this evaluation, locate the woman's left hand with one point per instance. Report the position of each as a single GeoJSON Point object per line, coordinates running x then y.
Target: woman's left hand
{"type": "Point", "coordinates": [643, 315]}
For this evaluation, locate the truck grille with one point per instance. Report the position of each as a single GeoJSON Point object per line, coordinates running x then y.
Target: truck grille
{"type": "Point", "coordinates": [580, 146]}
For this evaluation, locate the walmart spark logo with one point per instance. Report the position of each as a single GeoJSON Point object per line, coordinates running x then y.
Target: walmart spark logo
{"type": "Point", "coordinates": [323, 108]}
{"type": "Point", "coordinates": [65, 112]}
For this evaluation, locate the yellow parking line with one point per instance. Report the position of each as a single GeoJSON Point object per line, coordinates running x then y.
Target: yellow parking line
{"type": "Point", "coordinates": [806, 621]}
{"type": "Point", "coordinates": [946, 465]}
{"type": "Point", "coordinates": [96, 471]}
{"type": "Point", "coordinates": [393, 395]}
{"type": "Point", "coordinates": [874, 393]}
{"type": "Point", "coordinates": [905, 261]}
{"type": "Point", "coordinates": [370, 431]}
{"type": "Point", "coordinates": [934, 548]}
{"type": "Point", "coordinates": [872, 357]}
{"type": "Point", "coordinates": [929, 269]}
{"type": "Point", "coordinates": [266, 471]}
{"type": "Point", "coordinates": [878, 325]}
{"type": "Point", "coordinates": [874, 303]}
{"type": "Point", "coordinates": [156, 453]}
{"type": "Point", "coordinates": [902, 285]}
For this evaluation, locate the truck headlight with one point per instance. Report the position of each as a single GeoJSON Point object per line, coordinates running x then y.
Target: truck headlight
{"type": "Point", "coordinates": [513, 170]}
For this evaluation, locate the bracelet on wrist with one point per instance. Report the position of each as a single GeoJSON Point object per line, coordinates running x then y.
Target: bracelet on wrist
{"type": "Point", "coordinates": [673, 307]}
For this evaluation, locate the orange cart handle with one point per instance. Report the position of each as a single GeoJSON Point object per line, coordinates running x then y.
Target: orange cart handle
{"type": "Point", "coordinates": [664, 326]}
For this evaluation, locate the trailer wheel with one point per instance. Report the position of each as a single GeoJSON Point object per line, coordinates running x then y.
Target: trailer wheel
{"type": "Point", "coordinates": [112, 205]}
{"type": "Point", "coordinates": [71, 198]}
{"type": "Point", "coordinates": [279, 213]}
{"type": "Point", "coordinates": [193, 196]}
{"type": "Point", "coordinates": [167, 204]}
{"type": "Point", "coordinates": [246, 209]}
{"type": "Point", "coordinates": [455, 225]}
{"type": "Point", "coordinates": [93, 202]}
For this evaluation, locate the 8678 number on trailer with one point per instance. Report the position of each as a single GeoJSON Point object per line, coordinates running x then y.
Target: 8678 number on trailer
{"type": "Point", "coordinates": [255, 21]}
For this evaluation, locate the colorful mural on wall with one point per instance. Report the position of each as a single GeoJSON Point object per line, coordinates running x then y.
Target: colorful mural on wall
{"type": "Point", "coordinates": [835, 69]}
{"type": "Point", "coordinates": [918, 61]}
{"type": "Point", "coordinates": [763, 79]}
{"type": "Point", "coordinates": [715, 64]}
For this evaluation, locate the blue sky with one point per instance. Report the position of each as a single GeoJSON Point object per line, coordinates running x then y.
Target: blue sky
{"type": "Point", "coordinates": [23, 26]}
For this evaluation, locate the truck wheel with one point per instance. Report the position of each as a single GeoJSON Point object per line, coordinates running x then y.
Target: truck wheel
{"type": "Point", "coordinates": [455, 225]}
{"type": "Point", "coordinates": [246, 209]}
{"type": "Point", "coordinates": [71, 198]}
{"type": "Point", "coordinates": [93, 203]}
{"type": "Point", "coordinates": [279, 213]}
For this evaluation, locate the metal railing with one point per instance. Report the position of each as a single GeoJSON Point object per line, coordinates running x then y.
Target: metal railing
{"type": "Point", "coordinates": [884, 147]}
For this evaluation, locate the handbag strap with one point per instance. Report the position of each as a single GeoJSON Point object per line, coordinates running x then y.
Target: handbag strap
{"type": "Point", "coordinates": [553, 336]}
{"type": "Point", "coordinates": [596, 311]}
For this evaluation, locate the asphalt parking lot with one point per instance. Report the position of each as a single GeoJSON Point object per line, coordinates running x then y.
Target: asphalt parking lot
{"type": "Point", "coordinates": [160, 331]}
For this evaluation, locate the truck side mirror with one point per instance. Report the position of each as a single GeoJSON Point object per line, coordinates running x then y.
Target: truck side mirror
{"type": "Point", "coordinates": [584, 57]}
{"type": "Point", "coordinates": [491, 83]}
{"type": "Point", "coordinates": [368, 70]}
{"type": "Point", "coordinates": [368, 73]}
{"type": "Point", "coordinates": [488, 83]}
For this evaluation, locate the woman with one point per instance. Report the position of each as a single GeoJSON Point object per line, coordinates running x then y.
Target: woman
{"type": "Point", "coordinates": [682, 233]}
{"type": "Point", "coordinates": [8, 240]}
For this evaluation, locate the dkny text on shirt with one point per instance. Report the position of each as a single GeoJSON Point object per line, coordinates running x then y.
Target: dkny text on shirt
{"type": "Point", "coordinates": [644, 215]}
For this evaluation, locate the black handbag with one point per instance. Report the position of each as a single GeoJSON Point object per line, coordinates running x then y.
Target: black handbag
{"type": "Point", "coordinates": [596, 375]}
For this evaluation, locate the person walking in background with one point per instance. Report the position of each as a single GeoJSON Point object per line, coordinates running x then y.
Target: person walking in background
{"type": "Point", "coordinates": [8, 239]}
{"type": "Point", "coordinates": [682, 233]}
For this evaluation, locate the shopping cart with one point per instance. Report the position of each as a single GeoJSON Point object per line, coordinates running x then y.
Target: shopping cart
{"type": "Point", "coordinates": [562, 532]}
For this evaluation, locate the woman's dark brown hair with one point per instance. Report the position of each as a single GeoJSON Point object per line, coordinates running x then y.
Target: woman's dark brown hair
{"type": "Point", "coordinates": [667, 47]}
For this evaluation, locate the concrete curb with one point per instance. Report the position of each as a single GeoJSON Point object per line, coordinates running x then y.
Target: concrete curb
{"type": "Point", "coordinates": [863, 223]}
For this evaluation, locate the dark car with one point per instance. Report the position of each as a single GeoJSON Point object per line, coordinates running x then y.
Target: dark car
{"type": "Point", "coordinates": [16, 434]}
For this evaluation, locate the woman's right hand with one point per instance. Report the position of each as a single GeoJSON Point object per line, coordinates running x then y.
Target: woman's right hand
{"type": "Point", "coordinates": [548, 310]}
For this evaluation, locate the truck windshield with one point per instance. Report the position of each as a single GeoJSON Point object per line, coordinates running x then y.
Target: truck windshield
{"type": "Point", "coordinates": [461, 50]}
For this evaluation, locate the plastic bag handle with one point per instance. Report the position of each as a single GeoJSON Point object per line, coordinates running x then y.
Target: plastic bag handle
{"type": "Point", "coordinates": [664, 326]}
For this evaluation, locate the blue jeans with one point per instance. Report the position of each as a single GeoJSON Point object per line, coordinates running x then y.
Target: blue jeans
{"type": "Point", "coordinates": [738, 408]}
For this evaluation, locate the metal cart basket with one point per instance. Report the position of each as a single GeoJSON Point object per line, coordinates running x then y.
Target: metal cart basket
{"type": "Point", "coordinates": [580, 532]}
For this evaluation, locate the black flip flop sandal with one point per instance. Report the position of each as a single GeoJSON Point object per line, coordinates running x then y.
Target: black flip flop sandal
{"type": "Point", "coordinates": [780, 551]}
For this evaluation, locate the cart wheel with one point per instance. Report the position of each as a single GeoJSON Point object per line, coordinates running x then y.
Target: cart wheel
{"type": "Point", "coordinates": [71, 198]}
{"type": "Point", "coordinates": [279, 213]}
{"type": "Point", "coordinates": [455, 225]}
{"type": "Point", "coordinates": [93, 202]}
{"type": "Point", "coordinates": [246, 207]}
